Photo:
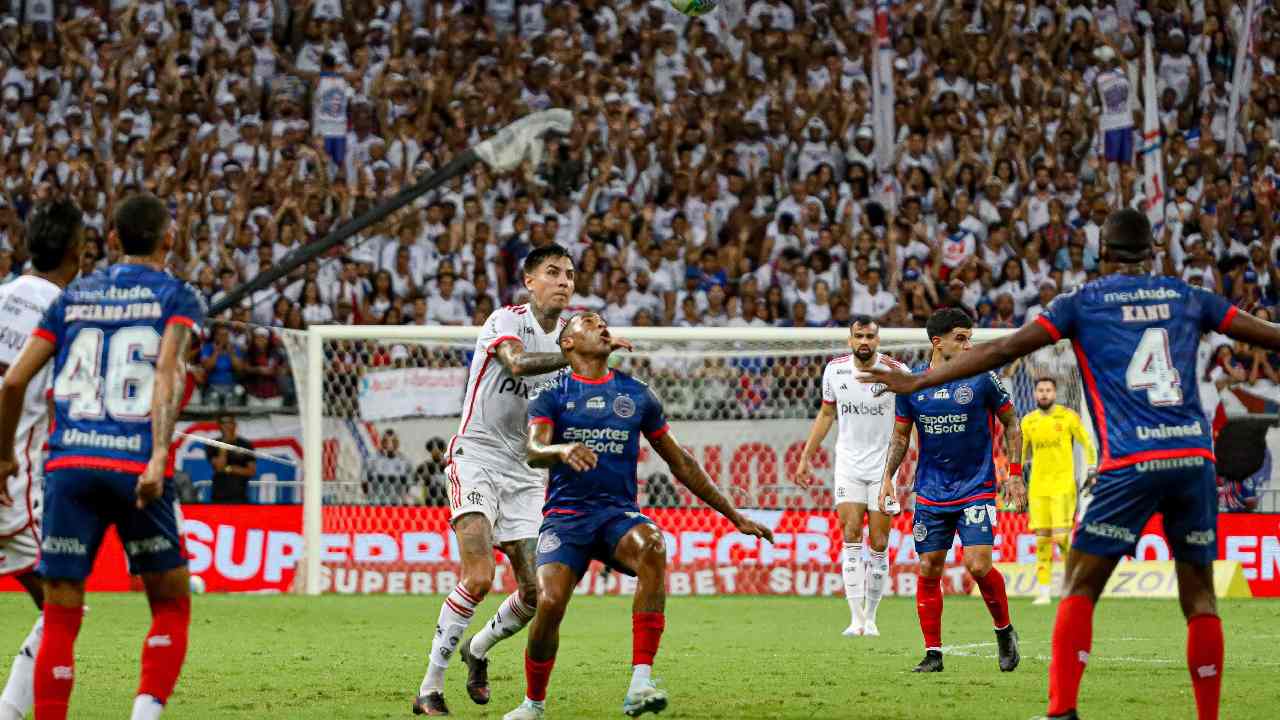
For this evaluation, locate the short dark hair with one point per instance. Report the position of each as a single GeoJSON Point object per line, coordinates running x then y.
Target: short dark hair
{"type": "Point", "coordinates": [1126, 236]}
{"type": "Point", "coordinates": [1046, 378]}
{"type": "Point", "coordinates": [51, 231]}
{"type": "Point", "coordinates": [140, 222]}
{"type": "Point", "coordinates": [862, 320]}
{"type": "Point", "coordinates": [536, 257]}
{"type": "Point", "coordinates": [945, 320]}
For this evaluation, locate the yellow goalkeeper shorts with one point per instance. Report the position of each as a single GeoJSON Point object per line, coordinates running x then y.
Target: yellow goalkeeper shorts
{"type": "Point", "coordinates": [1052, 511]}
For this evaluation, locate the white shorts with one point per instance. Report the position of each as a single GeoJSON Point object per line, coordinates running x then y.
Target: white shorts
{"type": "Point", "coordinates": [20, 552]}
{"type": "Point", "coordinates": [511, 503]}
{"type": "Point", "coordinates": [859, 490]}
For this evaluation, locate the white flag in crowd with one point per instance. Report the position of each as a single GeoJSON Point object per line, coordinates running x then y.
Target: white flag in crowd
{"type": "Point", "coordinates": [882, 98]}
{"type": "Point", "coordinates": [1152, 169]}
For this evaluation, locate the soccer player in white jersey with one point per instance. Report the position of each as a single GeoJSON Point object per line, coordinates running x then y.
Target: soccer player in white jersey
{"type": "Point", "coordinates": [865, 423]}
{"type": "Point", "coordinates": [495, 497]}
{"type": "Point", "coordinates": [54, 238]}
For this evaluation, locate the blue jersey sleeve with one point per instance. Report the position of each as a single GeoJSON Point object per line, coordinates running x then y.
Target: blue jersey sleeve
{"type": "Point", "coordinates": [1215, 311]}
{"type": "Point", "coordinates": [654, 421]}
{"type": "Point", "coordinates": [188, 308]}
{"type": "Point", "coordinates": [1060, 318]}
{"type": "Point", "coordinates": [52, 325]}
{"type": "Point", "coordinates": [996, 395]}
{"type": "Point", "coordinates": [902, 408]}
{"type": "Point", "coordinates": [545, 407]}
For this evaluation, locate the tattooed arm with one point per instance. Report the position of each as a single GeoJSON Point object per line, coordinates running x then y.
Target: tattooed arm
{"type": "Point", "coordinates": [1015, 491]}
{"type": "Point", "coordinates": [518, 362]}
{"type": "Point", "coordinates": [165, 402]}
{"type": "Point", "coordinates": [899, 443]}
{"type": "Point", "coordinates": [690, 474]}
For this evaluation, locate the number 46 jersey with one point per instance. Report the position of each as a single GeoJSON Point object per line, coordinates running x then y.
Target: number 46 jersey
{"type": "Point", "coordinates": [106, 331]}
{"type": "Point", "coordinates": [1135, 339]}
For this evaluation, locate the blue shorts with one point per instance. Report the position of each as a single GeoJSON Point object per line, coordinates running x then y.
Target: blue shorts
{"type": "Point", "coordinates": [575, 540]}
{"type": "Point", "coordinates": [79, 505]}
{"type": "Point", "coordinates": [1117, 145]}
{"type": "Point", "coordinates": [336, 148]}
{"type": "Point", "coordinates": [1113, 513]}
{"type": "Point", "coordinates": [935, 526]}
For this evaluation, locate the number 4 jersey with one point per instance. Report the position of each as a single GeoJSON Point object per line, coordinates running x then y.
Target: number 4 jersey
{"type": "Point", "coordinates": [1135, 339]}
{"type": "Point", "coordinates": [106, 331]}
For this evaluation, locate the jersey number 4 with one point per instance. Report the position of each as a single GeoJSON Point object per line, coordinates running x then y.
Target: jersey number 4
{"type": "Point", "coordinates": [124, 391]}
{"type": "Point", "coordinates": [1152, 369]}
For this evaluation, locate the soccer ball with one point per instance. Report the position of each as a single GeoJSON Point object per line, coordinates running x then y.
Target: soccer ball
{"type": "Point", "coordinates": [693, 8]}
{"type": "Point", "coordinates": [197, 585]}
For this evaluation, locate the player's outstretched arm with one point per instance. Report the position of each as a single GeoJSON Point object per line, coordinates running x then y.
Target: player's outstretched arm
{"type": "Point", "coordinates": [817, 433]}
{"type": "Point", "coordinates": [982, 358]}
{"type": "Point", "coordinates": [1254, 331]}
{"type": "Point", "coordinates": [165, 401]}
{"type": "Point", "coordinates": [899, 443]}
{"type": "Point", "coordinates": [542, 454]}
{"type": "Point", "coordinates": [690, 474]}
{"type": "Point", "coordinates": [35, 353]}
{"type": "Point", "coordinates": [1015, 490]}
{"type": "Point", "coordinates": [521, 363]}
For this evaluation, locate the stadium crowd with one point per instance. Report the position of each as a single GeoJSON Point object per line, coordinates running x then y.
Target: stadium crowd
{"type": "Point", "coordinates": [722, 170]}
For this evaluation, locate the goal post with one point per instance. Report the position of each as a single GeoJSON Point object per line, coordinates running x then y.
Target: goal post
{"type": "Point", "coordinates": [743, 397]}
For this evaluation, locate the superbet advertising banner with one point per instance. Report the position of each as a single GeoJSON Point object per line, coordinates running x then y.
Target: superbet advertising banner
{"type": "Point", "coordinates": [256, 548]}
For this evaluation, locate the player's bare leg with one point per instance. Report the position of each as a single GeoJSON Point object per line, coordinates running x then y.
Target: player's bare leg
{"type": "Point", "coordinates": [852, 568]}
{"type": "Point", "coordinates": [1204, 635]}
{"type": "Point", "coordinates": [475, 546]}
{"type": "Point", "coordinates": [516, 612]}
{"type": "Point", "coordinates": [977, 560]}
{"type": "Point", "coordinates": [18, 697]}
{"type": "Point", "coordinates": [929, 608]}
{"type": "Point", "coordinates": [165, 649]}
{"type": "Point", "coordinates": [1087, 575]}
{"type": "Point", "coordinates": [555, 588]}
{"type": "Point", "coordinates": [55, 662]}
{"type": "Point", "coordinates": [877, 572]}
{"type": "Point", "coordinates": [643, 551]}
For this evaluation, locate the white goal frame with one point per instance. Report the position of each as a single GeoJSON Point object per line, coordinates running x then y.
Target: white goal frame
{"type": "Point", "coordinates": [312, 399]}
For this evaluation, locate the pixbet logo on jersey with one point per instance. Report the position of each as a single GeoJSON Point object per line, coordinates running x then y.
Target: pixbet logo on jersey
{"type": "Point", "coordinates": [515, 386]}
{"type": "Point", "coordinates": [860, 408]}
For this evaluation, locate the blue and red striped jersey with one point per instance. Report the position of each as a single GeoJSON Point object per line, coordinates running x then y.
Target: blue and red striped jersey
{"type": "Point", "coordinates": [607, 415]}
{"type": "Point", "coordinates": [1135, 339]}
{"type": "Point", "coordinates": [106, 330]}
{"type": "Point", "coordinates": [956, 426]}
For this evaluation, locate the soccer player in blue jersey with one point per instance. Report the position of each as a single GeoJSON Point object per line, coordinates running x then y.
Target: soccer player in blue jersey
{"type": "Point", "coordinates": [955, 482]}
{"type": "Point", "coordinates": [586, 427]}
{"type": "Point", "coordinates": [117, 339]}
{"type": "Point", "coordinates": [1135, 336]}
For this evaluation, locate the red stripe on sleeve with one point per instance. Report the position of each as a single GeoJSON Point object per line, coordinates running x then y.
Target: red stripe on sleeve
{"type": "Point", "coordinates": [1226, 319]}
{"type": "Point", "coordinates": [1045, 323]}
{"type": "Point", "coordinates": [494, 345]}
{"type": "Point", "coordinates": [541, 421]}
{"type": "Point", "coordinates": [45, 335]}
{"type": "Point", "coordinates": [1006, 406]}
{"type": "Point", "coordinates": [658, 433]}
{"type": "Point", "coordinates": [899, 418]}
{"type": "Point", "coordinates": [181, 320]}
{"type": "Point", "coordinates": [828, 402]}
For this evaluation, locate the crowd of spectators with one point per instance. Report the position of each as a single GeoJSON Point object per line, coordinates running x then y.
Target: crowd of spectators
{"type": "Point", "coordinates": [721, 171]}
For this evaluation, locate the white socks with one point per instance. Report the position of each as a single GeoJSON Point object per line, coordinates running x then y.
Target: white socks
{"type": "Point", "coordinates": [146, 707]}
{"type": "Point", "coordinates": [512, 616]}
{"type": "Point", "coordinates": [854, 572]}
{"type": "Point", "coordinates": [640, 675]}
{"type": "Point", "coordinates": [877, 579]}
{"type": "Point", "coordinates": [455, 615]}
{"type": "Point", "coordinates": [19, 690]}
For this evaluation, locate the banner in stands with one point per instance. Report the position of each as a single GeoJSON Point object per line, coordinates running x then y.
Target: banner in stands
{"type": "Point", "coordinates": [404, 392]}
{"type": "Point", "coordinates": [256, 548]}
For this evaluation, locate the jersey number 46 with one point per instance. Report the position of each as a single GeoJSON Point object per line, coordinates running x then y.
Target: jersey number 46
{"type": "Point", "coordinates": [124, 392]}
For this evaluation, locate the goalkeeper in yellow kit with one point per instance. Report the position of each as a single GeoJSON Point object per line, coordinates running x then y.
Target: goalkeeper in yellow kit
{"type": "Point", "coordinates": [1047, 433]}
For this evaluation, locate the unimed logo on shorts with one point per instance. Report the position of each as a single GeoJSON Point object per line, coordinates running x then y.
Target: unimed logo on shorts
{"type": "Point", "coordinates": [55, 545]}
{"type": "Point", "coordinates": [147, 546]}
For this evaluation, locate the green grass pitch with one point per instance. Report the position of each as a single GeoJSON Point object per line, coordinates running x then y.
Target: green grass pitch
{"type": "Point", "coordinates": [736, 657]}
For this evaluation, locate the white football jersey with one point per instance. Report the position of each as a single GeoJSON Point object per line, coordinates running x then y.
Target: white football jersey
{"type": "Point", "coordinates": [22, 304]}
{"type": "Point", "coordinates": [864, 421]}
{"type": "Point", "coordinates": [495, 421]}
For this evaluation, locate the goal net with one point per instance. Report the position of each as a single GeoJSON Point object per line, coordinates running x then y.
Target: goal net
{"type": "Point", "coordinates": [380, 404]}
